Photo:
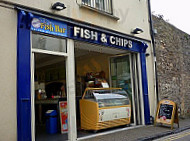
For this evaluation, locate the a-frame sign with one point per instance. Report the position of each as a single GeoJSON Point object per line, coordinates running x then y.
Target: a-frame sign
{"type": "Point", "coordinates": [167, 113]}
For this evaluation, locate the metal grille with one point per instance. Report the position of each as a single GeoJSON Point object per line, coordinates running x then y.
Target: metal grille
{"type": "Point", "coordinates": [102, 5]}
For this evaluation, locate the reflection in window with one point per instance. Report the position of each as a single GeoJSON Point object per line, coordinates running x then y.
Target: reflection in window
{"type": "Point", "coordinates": [120, 73]}
{"type": "Point", "coordinates": [48, 43]}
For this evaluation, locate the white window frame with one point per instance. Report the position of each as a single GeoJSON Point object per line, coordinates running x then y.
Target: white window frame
{"type": "Point", "coordinates": [92, 3]}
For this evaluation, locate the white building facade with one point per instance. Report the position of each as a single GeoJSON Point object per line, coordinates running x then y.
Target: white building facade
{"type": "Point", "coordinates": [89, 36]}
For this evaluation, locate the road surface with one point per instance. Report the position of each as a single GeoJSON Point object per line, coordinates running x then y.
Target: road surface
{"type": "Point", "coordinates": [182, 136]}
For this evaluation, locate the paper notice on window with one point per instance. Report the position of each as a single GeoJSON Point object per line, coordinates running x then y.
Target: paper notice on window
{"type": "Point", "coordinates": [105, 85]}
{"type": "Point", "coordinates": [63, 116]}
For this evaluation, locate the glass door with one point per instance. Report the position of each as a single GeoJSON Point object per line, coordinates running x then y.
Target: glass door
{"type": "Point", "coordinates": [120, 71]}
{"type": "Point", "coordinates": [125, 73]}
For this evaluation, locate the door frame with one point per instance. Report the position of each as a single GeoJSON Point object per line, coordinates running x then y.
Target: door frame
{"type": "Point", "coordinates": [33, 87]}
{"type": "Point", "coordinates": [70, 76]}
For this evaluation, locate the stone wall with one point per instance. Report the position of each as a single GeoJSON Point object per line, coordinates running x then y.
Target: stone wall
{"type": "Point", "coordinates": [173, 64]}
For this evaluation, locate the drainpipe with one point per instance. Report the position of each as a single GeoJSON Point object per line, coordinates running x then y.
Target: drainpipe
{"type": "Point", "coordinates": [153, 45]}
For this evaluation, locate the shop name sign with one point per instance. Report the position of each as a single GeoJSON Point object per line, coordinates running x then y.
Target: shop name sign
{"type": "Point", "coordinates": [49, 26]}
{"type": "Point", "coordinates": [58, 28]}
{"type": "Point", "coordinates": [103, 38]}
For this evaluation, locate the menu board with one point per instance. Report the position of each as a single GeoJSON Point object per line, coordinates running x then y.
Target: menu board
{"type": "Point", "coordinates": [167, 113]}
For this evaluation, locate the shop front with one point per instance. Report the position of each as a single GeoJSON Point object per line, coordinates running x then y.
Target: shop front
{"type": "Point", "coordinates": [61, 62]}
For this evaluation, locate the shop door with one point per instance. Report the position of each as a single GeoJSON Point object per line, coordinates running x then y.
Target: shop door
{"type": "Point", "coordinates": [123, 76]}
{"type": "Point", "coordinates": [48, 84]}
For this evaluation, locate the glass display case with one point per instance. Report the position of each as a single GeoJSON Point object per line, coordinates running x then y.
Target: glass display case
{"type": "Point", "coordinates": [108, 97]}
{"type": "Point", "coordinates": [102, 108]}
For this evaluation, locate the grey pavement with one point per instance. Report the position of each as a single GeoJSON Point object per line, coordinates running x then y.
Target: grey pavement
{"type": "Point", "coordinates": [144, 133]}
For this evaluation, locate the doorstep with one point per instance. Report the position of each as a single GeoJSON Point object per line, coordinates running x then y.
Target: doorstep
{"type": "Point", "coordinates": [108, 132]}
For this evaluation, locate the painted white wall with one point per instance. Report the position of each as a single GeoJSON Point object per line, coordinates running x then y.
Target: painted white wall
{"type": "Point", "coordinates": [151, 81]}
{"type": "Point", "coordinates": [8, 34]}
{"type": "Point", "coordinates": [132, 14]}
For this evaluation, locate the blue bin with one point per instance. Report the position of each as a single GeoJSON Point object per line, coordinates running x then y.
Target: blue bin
{"type": "Point", "coordinates": [51, 121]}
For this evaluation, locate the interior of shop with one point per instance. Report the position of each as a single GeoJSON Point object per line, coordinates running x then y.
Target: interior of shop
{"type": "Point", "coordinates": [50, 87]}
{"type": "Point", "coordinates": [95, 67]}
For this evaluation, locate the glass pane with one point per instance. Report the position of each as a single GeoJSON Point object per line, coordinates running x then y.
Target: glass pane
{"type": "Point", "coordinates": [108, 97]}
{"type": "Point", "coordinates": [109, 6]}
{"type": "Point", "coordinates": [48, 43]}
{"type": "Point", "coordinates": [120, 73]}
{"type": "Point", "coordinates": [86, 2]}
{"type": "Point", "coordinates": [100, 4]}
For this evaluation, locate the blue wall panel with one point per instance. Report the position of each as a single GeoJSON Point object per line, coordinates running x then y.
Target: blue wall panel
{"type": "Point", "coordinates": [145, 88]}
{"type": "Point", "coordinates": [23, 77]}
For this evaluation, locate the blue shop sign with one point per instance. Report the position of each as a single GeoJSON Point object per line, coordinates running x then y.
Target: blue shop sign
{"type": "Point", "coordinates": [49, 26]}
{"type": "Point", "coordinates": [102, 38]}
{"type": "Point", "coordinates": [81, 33]}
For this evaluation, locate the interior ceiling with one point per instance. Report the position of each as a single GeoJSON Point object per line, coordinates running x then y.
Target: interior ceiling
{"type": "Point", "coordinates": [82, 48]}
{"type": "Point", "coordinates": [44, 60]}
{"type": "Point", "coordinates": [41, 57]}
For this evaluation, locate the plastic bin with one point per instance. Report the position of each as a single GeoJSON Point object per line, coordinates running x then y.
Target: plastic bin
{"type": "Point", "coordinates": [51, 121]}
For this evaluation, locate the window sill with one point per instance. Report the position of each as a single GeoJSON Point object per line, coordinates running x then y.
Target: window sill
{"type": "Point", "coordinates": [101, 12]}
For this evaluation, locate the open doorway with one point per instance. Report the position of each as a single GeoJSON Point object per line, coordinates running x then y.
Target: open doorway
{"type": "Point", "coordinates": [50, 90]}
{"type": "Point", "coordinates": [113, 66]}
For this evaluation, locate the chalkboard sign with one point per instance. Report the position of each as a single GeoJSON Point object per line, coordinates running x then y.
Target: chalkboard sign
{"type": "Point", "coordinates": [167, 113]}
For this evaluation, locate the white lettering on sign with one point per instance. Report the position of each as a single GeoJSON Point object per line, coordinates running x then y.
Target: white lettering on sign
{"type": "Point", "coordinates": [130, 44]}
{"type": "Point", "coordinates": [76, 31]}
{"type": "Point", "coordinates": [85, 33]}
{"type": "Point", "coordinates": [125, 42]}
{"type": "Point", "coordinates": [121, 42]}
{"type": "Point", "coordinates": [112, 40]}
{"type": "Point", "coordinates": [93, 35]}
{"type": "Point", "coordinates": [103, 38]}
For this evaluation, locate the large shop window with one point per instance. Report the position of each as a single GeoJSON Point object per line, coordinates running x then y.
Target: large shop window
{"type": "Point", "coordinates": [102, 5]}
